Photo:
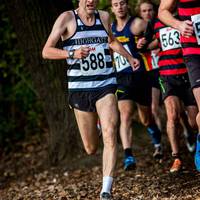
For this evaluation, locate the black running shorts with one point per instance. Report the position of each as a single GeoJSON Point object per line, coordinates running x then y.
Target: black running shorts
{"type": "Point", "coordinates": [154, 78]}
{"type": "Point", "coordinates": [135, 86]}
{"type": "Point", "coordinates": [177, 85]}
{"type": "Point", "coordinates": [193, 66]}
{"type": "Point", "coordinates": [86, 101]}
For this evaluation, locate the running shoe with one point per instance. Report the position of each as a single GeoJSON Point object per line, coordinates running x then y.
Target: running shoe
{"type": "Point", "coordinates": [177, 165]}
{"type": "Point", "coordinates": [190, 145]}
{"type": "Point", "coordinates": [105, 196]}
{"type": "Point", "coordinates": [190, 142]}
{"type": "Point", "coordinates": [129, 163]}
{"type": "Point", "coordinates": [158, 153]}
{"type": "Point", "coordinates": [197, 154]}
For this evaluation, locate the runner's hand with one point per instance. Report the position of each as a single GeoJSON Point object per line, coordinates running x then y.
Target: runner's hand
{"type": "Point", "coordinates": [134, 62]}
{"type": "Point", "coordinates": [186, 28]}
{"type": "Point", "coordinates": [82, 52]}
{"type": "Point", "coordinates": [141, 42]}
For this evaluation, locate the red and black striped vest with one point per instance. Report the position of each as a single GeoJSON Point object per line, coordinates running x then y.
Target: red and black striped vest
{"type": "Point", "coordinates": [186, 9]}
{"type": "Point", "coordinates": [171, 60]}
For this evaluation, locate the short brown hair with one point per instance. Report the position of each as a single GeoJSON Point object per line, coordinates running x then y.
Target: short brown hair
{"type": "Point", "coordinates": [111, 1]}
{"type": "Point", "coordinates": [140, 2]}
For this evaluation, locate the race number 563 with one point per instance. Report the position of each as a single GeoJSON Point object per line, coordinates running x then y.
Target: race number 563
{"type": "Point", "coordinates": [169, 38]}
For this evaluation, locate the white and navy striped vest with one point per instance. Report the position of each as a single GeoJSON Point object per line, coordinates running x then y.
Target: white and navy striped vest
{"type": "Point", "coordinates": [96, 71]}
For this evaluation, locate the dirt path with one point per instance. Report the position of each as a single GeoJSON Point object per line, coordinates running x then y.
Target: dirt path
{"type": "Point", "coordinates": [22, 178]}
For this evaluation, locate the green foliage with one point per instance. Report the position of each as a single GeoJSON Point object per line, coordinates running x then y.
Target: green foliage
{"type": "Point", "coordinates": [20, 112]}
{"type": "Point", "coordinates": [105, 5]}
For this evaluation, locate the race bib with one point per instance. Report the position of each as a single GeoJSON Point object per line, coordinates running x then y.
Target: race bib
{"type": "Point", "coordinates": [121, 63]}
{"type": "Point", "coordinates": [154, 60]}
{"type": "Point", "coordinates": [95, 63]}
{"type": "Point", "coordinates": [196, 25]}
{"type": "Point", "coordinates": [169, 38]}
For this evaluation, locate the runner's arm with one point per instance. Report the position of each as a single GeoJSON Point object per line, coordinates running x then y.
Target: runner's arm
{"type": "Point", "coordinates": [165, 13]}
{"type": "Point", "coordinates": [166, 16]}
{"type": "Point", "coordinates": [138, 26]}
{"type": "Point", "coordinates": [153, 44]}
{"type": "Point", "coordinates": [114, 44]}
{"type": "Point", "coordinates": [49, 50]}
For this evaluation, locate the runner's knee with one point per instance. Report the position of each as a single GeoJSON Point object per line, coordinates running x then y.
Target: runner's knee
{"type": "Point", "coordinates": [145, 121]}
{"type": "Point", "coordinates": [110, 139]}
{"type": "Point", "coordinates": [126, 117]}
{"type": "Point", "coordinates": [173, 118]}
{"type": "Point", "coordinates": [90, 149]}
{"type": "Point", "coordinates": [109, 129]}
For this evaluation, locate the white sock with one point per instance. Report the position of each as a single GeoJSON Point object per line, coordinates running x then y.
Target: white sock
{"type": "Point", "coordinates": [107, 184]}
{"type": "Point", "coordinates": [157, 145]}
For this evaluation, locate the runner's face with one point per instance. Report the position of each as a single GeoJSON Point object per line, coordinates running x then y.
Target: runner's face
{"type": "Point", "coordinates": [89, 6]}
{"type": "Point", "coordinates": [146, 11]}
{"type": "Point", "coordinates": [120, 8]}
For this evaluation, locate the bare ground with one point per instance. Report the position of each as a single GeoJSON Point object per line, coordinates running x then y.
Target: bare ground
{"type": "Point", "coordinates": [24, 177]}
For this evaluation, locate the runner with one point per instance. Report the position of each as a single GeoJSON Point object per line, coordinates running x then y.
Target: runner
{"type": "Point", "coordinates": [189, 27]}
{"type": "Point", "coordinates": [175, 88]}
{"type": "Point", "coordinates": [133, 86]}
{"type": "Point", "coordinates": [147, 10]}
{"type": "Point", "coordinates": [86, 38]}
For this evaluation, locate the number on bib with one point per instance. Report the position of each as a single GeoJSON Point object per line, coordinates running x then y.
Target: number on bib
{"type": "Point", "coordinates": [169, 38]}
{"type": "Point", "coordinates": [94, 64]}
{"type": "Point", "coordinates": [121, 63]}
{"type": "Point", "coordinates": [154, 60]}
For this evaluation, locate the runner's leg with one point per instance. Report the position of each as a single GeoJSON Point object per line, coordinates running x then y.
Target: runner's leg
{"type": "Point", "coordinates": [108, 115]}
{"type": "Point", "coordinates": [155, 106]}
{"type": "Point", "coordinates": [126, 132]}
{"type": "Point", "coordinates": [87, 126]}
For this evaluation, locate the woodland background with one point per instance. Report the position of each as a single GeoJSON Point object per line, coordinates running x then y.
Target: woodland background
{"type": "Point", "coordinates": [33, 94]}
{"type": "Point", "coordinates": [41, 154]}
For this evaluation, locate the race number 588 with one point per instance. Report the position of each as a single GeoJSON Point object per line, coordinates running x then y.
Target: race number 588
{"type": "Point", "coordinates": [95, 63]}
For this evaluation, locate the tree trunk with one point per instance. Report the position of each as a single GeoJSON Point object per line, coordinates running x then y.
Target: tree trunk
{"type": "Point", "coordinates": [33, 21]}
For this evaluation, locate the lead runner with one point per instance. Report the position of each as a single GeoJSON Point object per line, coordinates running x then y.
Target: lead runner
{"type": "Point", "coordinates": [86, 37]}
